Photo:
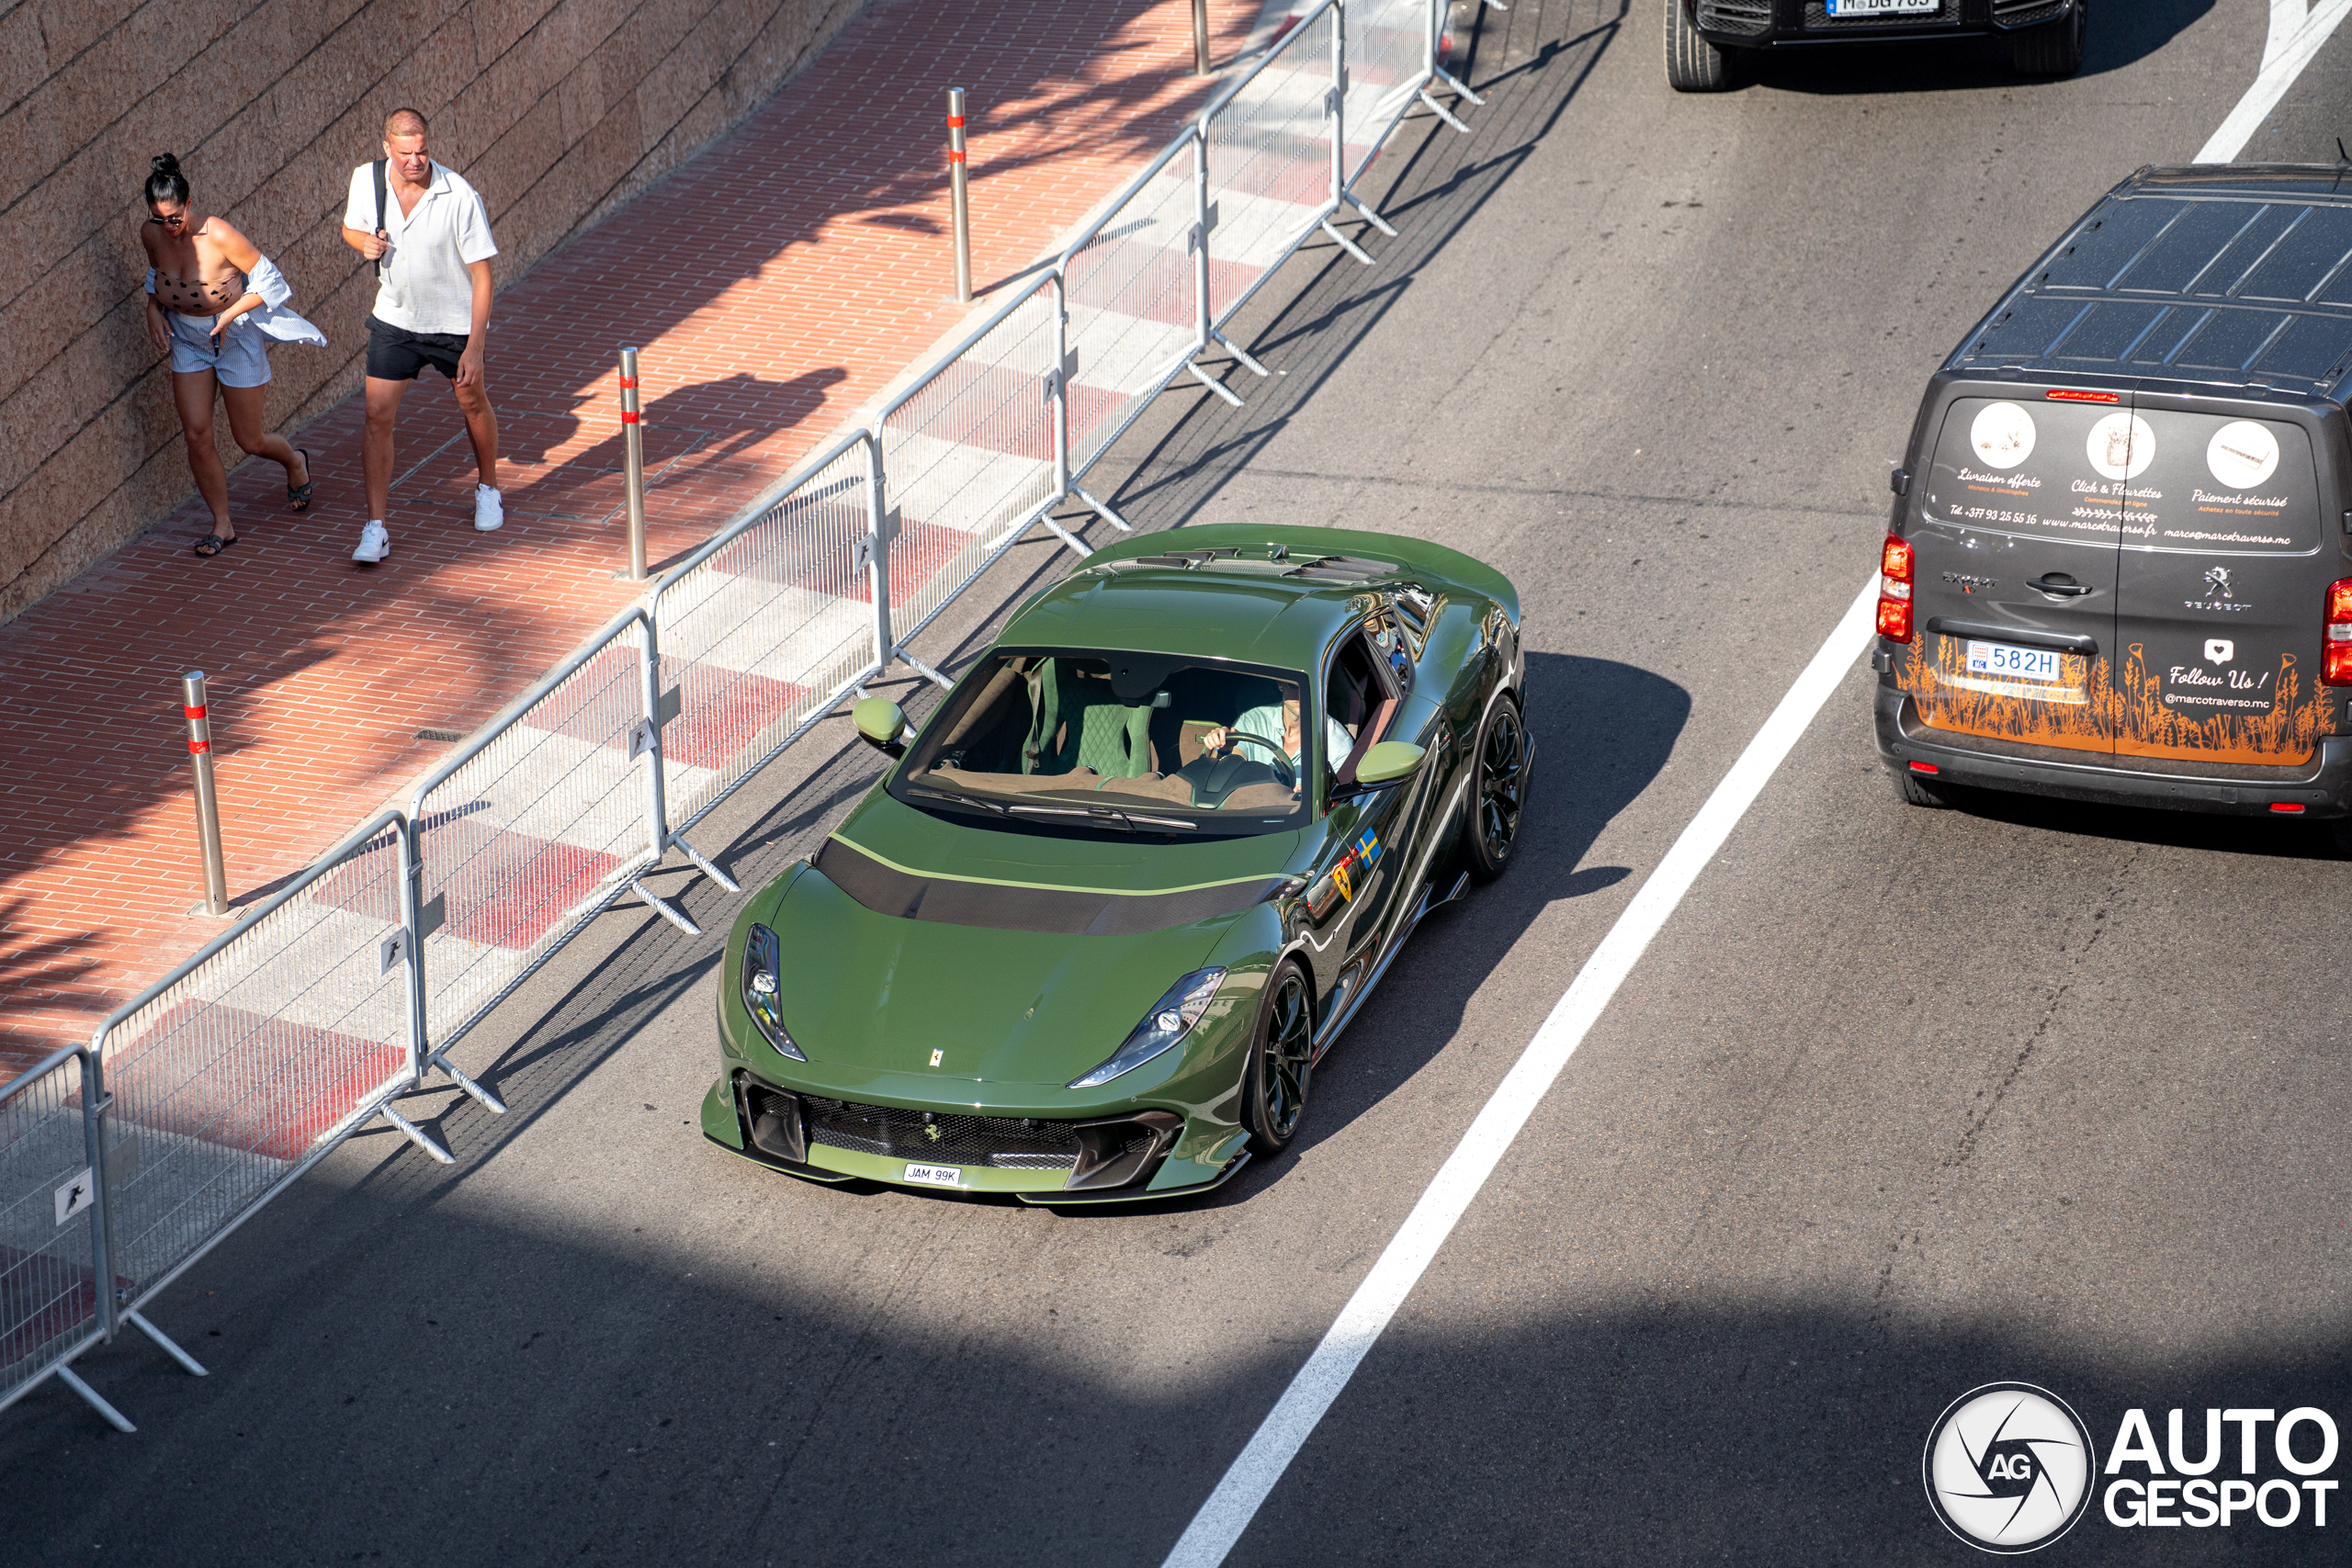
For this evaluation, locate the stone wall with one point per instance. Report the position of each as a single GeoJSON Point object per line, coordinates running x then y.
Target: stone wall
{"type": "Point", "coordinates": [555, 109]}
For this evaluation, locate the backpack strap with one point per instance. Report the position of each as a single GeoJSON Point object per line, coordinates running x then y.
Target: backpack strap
{"type": "Point", "coordinates": [378, 166]}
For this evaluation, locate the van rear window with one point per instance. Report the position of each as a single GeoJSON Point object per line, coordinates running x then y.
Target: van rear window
{"type": "Point", "coordinates": [2103, 474]}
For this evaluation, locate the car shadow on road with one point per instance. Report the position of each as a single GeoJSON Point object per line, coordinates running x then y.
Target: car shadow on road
{"type": "Point", "coordinates": [2119, 39]}
{"type": "Point", "coordinates": [1603, 731]}
{"type": "Point", "coordinates": [2272, 838]}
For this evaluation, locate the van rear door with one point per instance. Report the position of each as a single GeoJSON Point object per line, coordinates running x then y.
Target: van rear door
{"type": "Point", "coordinates": [2220, 589]}
{"type": "Point", "coordinates": [2013, 569]}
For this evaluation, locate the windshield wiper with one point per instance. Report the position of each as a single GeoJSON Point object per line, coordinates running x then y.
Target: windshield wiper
{"type": "Point", "coordinates": [1105, 813]}
{"type": "Point", "coordinates": [961, 798]}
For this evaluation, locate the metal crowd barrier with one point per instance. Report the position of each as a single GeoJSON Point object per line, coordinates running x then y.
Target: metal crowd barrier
{"type": "Point", "coordinates": [124, 1161]}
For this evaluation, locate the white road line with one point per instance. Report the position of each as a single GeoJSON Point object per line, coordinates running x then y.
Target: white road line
{"type": "Point", "coordinates": [2297, 30]}
{"type": "Point", "coordinates": [1235, 1502]}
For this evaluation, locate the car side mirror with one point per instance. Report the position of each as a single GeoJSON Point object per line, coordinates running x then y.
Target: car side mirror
{"type": "Point", "coordinates": [881, 724]}
{"type": "Point", "coordinates": [1388, 762]}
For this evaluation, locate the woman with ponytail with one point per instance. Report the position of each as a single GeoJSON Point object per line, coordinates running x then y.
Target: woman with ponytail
{"type": "Point", "coordinates": [213, 302]}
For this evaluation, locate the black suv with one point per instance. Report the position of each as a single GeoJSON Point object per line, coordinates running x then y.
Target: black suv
{"type": "Point", "coordinates": [2045, 36]}
{"type": "Point", "coordinates": [2120, 565]}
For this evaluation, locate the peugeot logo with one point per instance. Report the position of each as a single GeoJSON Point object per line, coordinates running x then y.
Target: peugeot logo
{"type": "Point", "coordinates": [2218, 580]}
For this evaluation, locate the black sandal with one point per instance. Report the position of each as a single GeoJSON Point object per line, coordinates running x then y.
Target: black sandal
{"type": "Point", "coordinates": [216, 542]}
{"type": "Point", "coordinates": [298, 498]}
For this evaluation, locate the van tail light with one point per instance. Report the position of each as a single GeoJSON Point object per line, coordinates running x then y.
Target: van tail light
{"type": "Point", "coordinates": [2286, 808]}
{"type": "Point", "coordinates": [2336, 653]}
{"type": "Point", "coordinates": [1894, 594]}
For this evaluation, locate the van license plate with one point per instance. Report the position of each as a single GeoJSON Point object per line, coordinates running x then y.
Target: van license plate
{"type": "Point", "coordinates": [1884, 7]}
{"type": "Point", "coordinates": [2016, 663]}
{"type": "Point", "coordinates": [936, 1174]}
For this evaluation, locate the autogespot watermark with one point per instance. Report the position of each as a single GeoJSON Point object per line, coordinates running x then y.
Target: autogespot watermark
{"type": "Point", "coordinates": [2011, 1468]}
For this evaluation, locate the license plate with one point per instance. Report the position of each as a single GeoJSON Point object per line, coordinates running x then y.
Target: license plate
{"type": "Point", "coordinates": [2016, 663]}
{"type": "Point", "coordinates": [936, 1174]}
{"type": "Point", "coordinates": [1884, 7]}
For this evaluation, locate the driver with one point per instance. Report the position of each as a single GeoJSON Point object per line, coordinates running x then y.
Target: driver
{"type": "Point", "coordinates": [1276, 724]}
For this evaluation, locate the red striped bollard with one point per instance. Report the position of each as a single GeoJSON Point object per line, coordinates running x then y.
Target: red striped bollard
{"type": "Point", "coordinates": [208, 803]}
{"type": "Point", "coordinates": [633, 441]}
{"type": "Point", "coordinates": [957, 184]}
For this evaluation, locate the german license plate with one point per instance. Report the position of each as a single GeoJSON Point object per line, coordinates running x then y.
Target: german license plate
{"type": "Point", "coordinates": [1884, 7]}
{"type": "Point", "coordinates": [936, 1174]}
{"type": "Point", "coordinates": [2013, 663]}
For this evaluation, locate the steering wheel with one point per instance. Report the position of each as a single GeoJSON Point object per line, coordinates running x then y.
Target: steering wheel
{"type": "Point", "coordinates": [1284, 774]}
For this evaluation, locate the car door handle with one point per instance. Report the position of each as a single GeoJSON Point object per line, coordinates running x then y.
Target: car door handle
{"type": "Point", "coordinates": [2058, 585]}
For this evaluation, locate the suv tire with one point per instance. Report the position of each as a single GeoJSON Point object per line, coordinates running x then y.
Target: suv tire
{"type": "Point", "coordinates": [1916, 791]}
{"type": "Point", "coordinates": [1692, 64]}
{"type": "Point", "coordinates": [2054, 49]}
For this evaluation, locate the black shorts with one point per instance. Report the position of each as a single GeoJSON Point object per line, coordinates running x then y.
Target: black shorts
{"type": "Point", "coordinates": [395, 354]}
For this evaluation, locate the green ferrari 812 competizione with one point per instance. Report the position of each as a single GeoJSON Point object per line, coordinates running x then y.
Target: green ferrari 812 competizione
{"type": "Point", "coordinates": [1087, 939]}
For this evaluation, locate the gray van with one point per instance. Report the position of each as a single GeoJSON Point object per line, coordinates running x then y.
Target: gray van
{"type": "Point", "coordinates": [2119, 566]}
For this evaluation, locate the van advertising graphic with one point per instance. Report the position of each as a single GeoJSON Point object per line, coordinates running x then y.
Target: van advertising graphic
{"type": "Point", "coordinates": [2121, 446]}
{"type": "Point", "coordinates": [2242, 455]}
{"type": "Point", "coordinates": [2001, 435]}
{"type": "Point", "coordinates": [2011, 1468]}
{"type": "Point", "coordinates": [2144, 541]}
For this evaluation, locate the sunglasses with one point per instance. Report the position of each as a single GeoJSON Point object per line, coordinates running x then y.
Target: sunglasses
{"type": "Point", "coordinates": [173, 221]}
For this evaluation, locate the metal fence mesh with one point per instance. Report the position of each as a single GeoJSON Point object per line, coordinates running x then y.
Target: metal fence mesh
{"type": "Point", "coordinates": [1387, 45]}
{"type": "Point", "coordinates": [1131, 292]}
{"type": "Point", "coordinates": [533, 833]}
{"type": "Point", "coordinates": [1270, 165]}
{"type": "Point", "coordinates": [226, 1080]}
{"type": "Point", "coordinates": [49, 1270]}
{"type": "Point", "coordinates": [970, 456]}
{"type": "Point", "coordinates": [758, 637]}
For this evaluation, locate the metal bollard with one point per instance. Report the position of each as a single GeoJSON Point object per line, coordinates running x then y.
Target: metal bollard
{"type": "Point", "coordinates": [633, 441]}
{"type": "Point", "coordinates": [208, 803]}
{"type": "Point", "coordinates": [957, 183]}
{"type": "Point", "coordinates": [1200, 38]}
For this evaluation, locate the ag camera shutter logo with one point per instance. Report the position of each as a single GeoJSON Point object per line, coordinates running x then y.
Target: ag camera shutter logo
{"type": "Point", "coordinates": [2009, 1468]}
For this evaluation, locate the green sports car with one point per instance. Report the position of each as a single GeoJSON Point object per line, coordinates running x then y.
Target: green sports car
{"type": "Point", "coordinates": [1087, 939]}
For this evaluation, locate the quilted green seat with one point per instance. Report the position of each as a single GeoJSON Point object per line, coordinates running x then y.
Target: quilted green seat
{"type": "Point", "coordinates": [1078, 724]}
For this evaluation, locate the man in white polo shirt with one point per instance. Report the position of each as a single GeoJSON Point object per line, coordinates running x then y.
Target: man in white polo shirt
{"type": "Point", "coordinates": [429, 234]}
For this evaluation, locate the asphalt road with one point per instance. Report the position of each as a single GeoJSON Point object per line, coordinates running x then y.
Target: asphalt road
{"type": "Point", "coordinates": [1898, 1103]}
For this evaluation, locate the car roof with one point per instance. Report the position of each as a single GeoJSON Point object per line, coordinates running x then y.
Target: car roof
{"type": "Point", "coordinates": [2232, 275]}
{"type": "Point", "coordinates": [1281, 615]}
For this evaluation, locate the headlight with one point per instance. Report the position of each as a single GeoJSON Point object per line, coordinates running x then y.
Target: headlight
{"type": "Point", "coordinates": [1171, 1019]}
{"type": "Point", "coordinates": [761, 981]}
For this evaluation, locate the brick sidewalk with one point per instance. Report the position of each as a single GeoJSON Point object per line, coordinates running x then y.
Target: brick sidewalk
{"type": "Point", "coordinates": [774, 283]}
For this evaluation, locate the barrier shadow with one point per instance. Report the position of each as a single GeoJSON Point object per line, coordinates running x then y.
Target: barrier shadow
{"type": "Point", "coordinates": [287, 600]}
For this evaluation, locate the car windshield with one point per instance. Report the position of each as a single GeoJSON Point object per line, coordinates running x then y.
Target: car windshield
{"type": "Point", "coordinates": [1119, 742]}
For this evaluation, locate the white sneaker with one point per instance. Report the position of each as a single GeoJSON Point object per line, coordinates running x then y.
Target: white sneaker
{"type": "Point", "coordinates": [489, 511]}
{"type": "Point", "coordinates": [375, 544]}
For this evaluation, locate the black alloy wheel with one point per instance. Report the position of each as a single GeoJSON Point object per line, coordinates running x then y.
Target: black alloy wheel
{"type": "Point", "coordinates": [1282, 1060]}
{"type": "Point", "coordinates": [1497, 793]}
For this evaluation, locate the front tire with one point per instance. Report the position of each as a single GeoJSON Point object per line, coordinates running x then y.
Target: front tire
{"type": "Point", "coordinates": [1281, 1062]}
{"type": "Point", "coordinates": [2056, 50]}
{"type": "Point", "coordinates": [1497, 792]}
{"type": "Point", "coordinates": [1692, 64]}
